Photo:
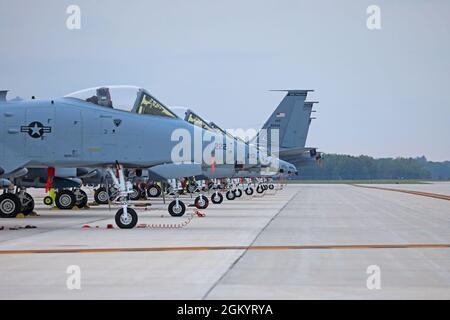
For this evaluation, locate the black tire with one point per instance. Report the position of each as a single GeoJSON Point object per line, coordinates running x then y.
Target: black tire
{"type": "Point", "coordinates": [230, 195]}
{"type": "Point", "coordinates": [175, 211]}
{"type": "Point", "coordinates": [126, 223]}
{"type": "Point", "coordinates": [154, 191]}
{"type": "Point", "coordinates": [271, 186]}
{"type": "Point", "coordinates": [217, 198]}
{"type": "Point", "coordinates": [28, 207]}
{"type": "Point", "coordinates": [136, 195]}
{"type": "Point", "coordinates": [65, 200]}
{"type": "Point", "coordinates": [259, 189]}
{"type": "Point", "coordinates": [198, 204]}
{"type": "Point", "coordinates": [9, 205]}
{"type": "Point", "coordinates": [101, 196]}
{"type": "Point", "coordinates": [238, 193]}
{"type": "Point", "coordinates": [249, 191]}
{"type": "Point", "coordinates": [81, 199]}
{"type": "Point", "coordinates": [48, 201]}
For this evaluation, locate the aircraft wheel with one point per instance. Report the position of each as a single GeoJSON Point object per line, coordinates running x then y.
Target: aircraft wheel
{"type": "Point", "coordinates": [259, 189]}
{"type": "Point", "coordinates": [249, 191]}
{"type": "Point", "coordinates": [81, 198]}
{"type": "Point", "coordinates": [271, 186]}
{"type": "Point", "coordinates": [101, 196]}
{"type": "Point", "coordinates": [27, 204]}
{"type": "Point", "coordinates": [201, 202]}
{"type": "Point", "coordinates": [230, 195]}
{"type": "Point", "coordinates": [135, 195]}
{"type": "Point", "coordinates": [48, 200]}
{"type": "Point", "coordinates": [217, 198]}
{"type": "Point", "coordinates": [65, 200]}
{"type": "Point", "coordinates": [154, 191]}
{"type": "Point", "coordinates": [9, 205]}
{"type": "Point", "coordinates": [177, 210]}
{"type": "Point", "coordinates": [127, 221]}
{"type": "Point", "coordinates": [238, 193]}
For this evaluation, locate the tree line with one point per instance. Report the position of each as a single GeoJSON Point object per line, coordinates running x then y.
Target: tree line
{"type": "Point", "coordinates": [347, 167]}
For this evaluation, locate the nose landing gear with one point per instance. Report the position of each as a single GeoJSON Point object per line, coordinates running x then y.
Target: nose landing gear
{"type": "Point", "coordinates": [126, 218]}
{"type": "Point", "coordinates": [177, 208]}
{"type": "Point", "coordinates": [201, 202]}
{"type": "Point", "coordinates": [217, 198]}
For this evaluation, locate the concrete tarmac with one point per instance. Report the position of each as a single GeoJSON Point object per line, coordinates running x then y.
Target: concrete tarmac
{"type": "Point", "coordinates": [303, 242]}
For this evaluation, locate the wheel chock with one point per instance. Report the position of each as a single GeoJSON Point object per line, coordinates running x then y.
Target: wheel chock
{"type": "Point", "coordinates": [20, 216]}
{"type": "Point", "coordinates": [109, 226]}
{"type": "Point", "coordinates": [199, 214]}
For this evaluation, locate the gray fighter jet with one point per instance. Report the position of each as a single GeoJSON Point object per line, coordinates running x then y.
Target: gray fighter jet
{"type": "Point", "coordinates": [107, 127]}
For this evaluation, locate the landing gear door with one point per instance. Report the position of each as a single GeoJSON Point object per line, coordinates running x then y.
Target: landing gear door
{"type": "Point", "coordinates": [39, 130]}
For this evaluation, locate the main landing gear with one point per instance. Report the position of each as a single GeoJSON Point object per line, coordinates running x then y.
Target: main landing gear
{"type": "Point", "coordinates": [11, 204]}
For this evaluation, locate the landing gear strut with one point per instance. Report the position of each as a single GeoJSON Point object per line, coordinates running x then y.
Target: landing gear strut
{"type": "Point", "coordinates": [26, 202]}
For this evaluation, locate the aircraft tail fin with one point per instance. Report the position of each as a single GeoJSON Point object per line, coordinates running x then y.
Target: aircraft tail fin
{"type": "Point", "coordinates": [292, 118]}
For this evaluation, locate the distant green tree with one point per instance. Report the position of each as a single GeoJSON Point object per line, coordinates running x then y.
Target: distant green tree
{"type": "Point", "coordinates": [346, 167]}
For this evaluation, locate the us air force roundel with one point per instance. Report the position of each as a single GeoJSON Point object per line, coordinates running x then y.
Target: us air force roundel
{"type": "Point", "coordinates": [35, 129]}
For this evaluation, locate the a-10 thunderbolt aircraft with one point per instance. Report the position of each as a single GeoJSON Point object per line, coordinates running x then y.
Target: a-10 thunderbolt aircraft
{"type": "Point", "coordinates": [65, 177]}
{"type": "Point", "coordinates": [106, 128]}
{"type": "Point", "coordinates": [174, 171]}
{"type": "Point", "coordinates": [290, 110]}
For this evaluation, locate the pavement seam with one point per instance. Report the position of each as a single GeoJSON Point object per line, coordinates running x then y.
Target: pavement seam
{"type": "Point", "coordinates": [245, 250]}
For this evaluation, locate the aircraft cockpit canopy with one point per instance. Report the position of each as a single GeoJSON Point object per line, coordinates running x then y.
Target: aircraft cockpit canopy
{"type": "Point", "coordinates": [125, 98]}
{"type": "Point", "coordinates": [194, 119]}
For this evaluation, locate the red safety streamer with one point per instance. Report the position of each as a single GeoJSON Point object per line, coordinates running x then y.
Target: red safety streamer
{"type": "Point", "coordinates": [50, 175]}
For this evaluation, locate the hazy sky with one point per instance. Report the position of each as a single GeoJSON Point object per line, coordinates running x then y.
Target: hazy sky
{"type": "Point", "coordinates": [382, 93]}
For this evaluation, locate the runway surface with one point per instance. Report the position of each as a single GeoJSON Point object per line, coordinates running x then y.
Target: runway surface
{"type": "Point", "coordinates": [303, 242]}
